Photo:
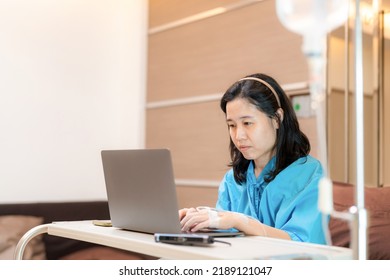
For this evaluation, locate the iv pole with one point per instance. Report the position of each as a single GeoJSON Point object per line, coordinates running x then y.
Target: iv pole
{"type": "Point", "coordinates": [359, 223]}
{"type": "Point", "coordinates": [357, 215]}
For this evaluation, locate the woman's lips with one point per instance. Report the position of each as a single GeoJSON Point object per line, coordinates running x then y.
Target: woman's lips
{"type": "Point", "coordinates": [244, 148]}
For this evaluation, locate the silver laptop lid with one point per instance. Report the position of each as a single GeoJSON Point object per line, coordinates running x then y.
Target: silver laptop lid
{"type": "Point", "coordinates": [141, 190]}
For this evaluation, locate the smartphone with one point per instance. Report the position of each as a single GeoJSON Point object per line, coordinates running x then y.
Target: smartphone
{"type": "Point", "coordinates": [184, 239]}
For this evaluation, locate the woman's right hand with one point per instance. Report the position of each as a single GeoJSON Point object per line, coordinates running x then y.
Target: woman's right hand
{"type": "Point", "coordinates": [183, 212]}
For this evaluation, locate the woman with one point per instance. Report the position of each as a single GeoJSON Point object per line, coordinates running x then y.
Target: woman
{"type": "Point", "coordinates": [272, 187]}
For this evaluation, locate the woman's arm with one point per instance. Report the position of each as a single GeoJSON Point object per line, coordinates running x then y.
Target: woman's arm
{"type": "Point", "coordinates": [195, 219]}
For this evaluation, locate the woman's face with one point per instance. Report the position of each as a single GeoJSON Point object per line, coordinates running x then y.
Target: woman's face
{"type": "Point", "coordinates": [252, 131]}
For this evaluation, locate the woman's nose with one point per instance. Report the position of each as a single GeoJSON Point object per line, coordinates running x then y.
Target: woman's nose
{"type": "Point", "coordinates": [240, 133]}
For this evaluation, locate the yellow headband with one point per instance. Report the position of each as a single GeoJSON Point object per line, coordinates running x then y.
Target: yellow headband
{"type": "Point", "coordinates": [266, 84]}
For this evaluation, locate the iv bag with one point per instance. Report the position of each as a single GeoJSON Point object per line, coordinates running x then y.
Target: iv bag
{"type": "Point", "coordinates": [313, 19]}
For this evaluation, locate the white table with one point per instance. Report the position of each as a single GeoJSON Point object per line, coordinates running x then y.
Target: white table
{"type": "Point", "coordinates": [248, 247]}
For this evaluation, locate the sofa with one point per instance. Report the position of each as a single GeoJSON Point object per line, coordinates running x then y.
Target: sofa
{"type": "Point", "coordinates": [16, 219]}
{"type": "Point", "coordinates": [377, 204]}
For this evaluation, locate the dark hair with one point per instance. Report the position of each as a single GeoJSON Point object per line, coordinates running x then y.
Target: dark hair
{"type": "Point", "coordinates": [291, 142]}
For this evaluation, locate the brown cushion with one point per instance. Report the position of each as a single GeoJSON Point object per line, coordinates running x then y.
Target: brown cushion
{"type": "Point", "coordinates": [12, 228]}
{"type": "Point", "coordinates": [377, 203]}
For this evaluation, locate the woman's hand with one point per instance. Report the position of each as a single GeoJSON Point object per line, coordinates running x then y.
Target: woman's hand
{"type": "Point", "coordinates": [183, 212]}
{"type": "Point", "coordinates": [194, 219]}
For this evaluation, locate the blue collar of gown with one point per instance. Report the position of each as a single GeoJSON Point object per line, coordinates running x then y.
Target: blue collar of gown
{"type": "Point", "coordinates": [250, 176]}
{"type": "Point", "coordinates": [255, 187]}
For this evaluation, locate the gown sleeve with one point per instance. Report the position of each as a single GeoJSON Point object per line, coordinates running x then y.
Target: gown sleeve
{"type": "Point", "coordinates": [299, 215]}
{"type": "Point", "coordinates": [224, 196]}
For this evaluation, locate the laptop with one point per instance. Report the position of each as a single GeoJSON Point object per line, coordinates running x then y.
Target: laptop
{"type": "Point", "coordinates": [141, 191]}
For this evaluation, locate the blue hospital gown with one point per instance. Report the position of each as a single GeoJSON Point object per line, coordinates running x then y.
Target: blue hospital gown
{"type": "Point", "coordinates": [289, 202]}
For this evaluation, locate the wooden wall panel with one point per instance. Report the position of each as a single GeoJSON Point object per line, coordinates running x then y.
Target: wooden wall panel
{"type": "Point", "coordinates": [207, 56]}
{"type": "Point", "coordinates": [386, 117]}
{"type": "Point", "coordinates": [196, 196]}
{"type": "Point", "coordinates": [197, 136]}
{"type": "Point", "coordinates": [165, 11]}
{"type": "Point", "coordinates": [336, 138]}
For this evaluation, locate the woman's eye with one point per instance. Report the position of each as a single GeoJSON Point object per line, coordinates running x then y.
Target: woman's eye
{"type": "Point", "coordinates": [247, 123]}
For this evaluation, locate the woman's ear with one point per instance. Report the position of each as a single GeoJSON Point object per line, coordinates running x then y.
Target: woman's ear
{"type": "Point", "coordinates": [279, 120]}
{"type": "Point", "coordinates": [280, 113]}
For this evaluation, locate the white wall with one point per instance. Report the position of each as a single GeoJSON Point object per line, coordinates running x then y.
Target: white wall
{"type": "Point", "coordinates": [72, 82]}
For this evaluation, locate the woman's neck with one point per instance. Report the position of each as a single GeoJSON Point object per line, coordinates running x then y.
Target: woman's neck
{"type": "Point", "coordinates": [260, 163]}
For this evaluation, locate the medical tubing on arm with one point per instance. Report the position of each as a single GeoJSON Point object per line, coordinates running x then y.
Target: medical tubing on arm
{"type": "Point", "coordinates": [214, 218]}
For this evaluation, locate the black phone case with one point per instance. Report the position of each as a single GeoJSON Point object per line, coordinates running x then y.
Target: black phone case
{"type": "Point", "coordinates": [184, 239]}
